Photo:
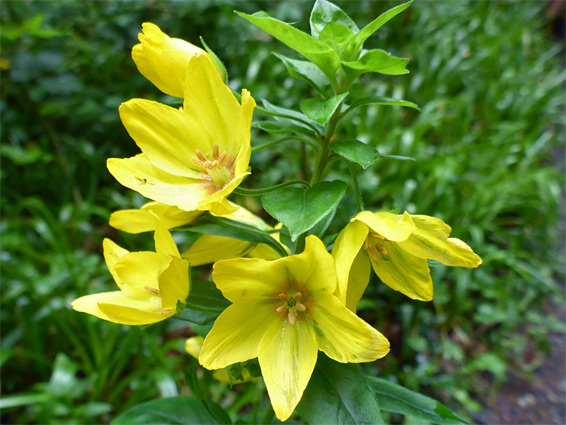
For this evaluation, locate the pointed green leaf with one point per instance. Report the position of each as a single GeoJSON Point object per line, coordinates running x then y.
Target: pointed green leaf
{"type": "Point", "coordinates": [216, 60]}
{"type": "Point", "coordinates": [324, 12]}
{"type": "Point", "coordinates": [289, 115]}
{"type": "Point", "coordinates": [356, 151]}
{"type": "Point", "coordinates": [394, 398]}
{"type": "Point", "coordinates": [280, 128]}
{"type": "Point", "coordinates": [339, 394]}
{"type": "Point", "coordinates": [320, 110]}
{"type": "Point", "coordinates": [174, 410]}
{"type": "Point", "coordinates": [305, 70]}
{"type": "Point", "coordinates": [314, 50]}
{"type": "Point", "coordinates": [376, 60]}
{"type": "Point", "coordinates": [380, 100]}
{"type": "Point", "coordinates": [336, 36]}
{"type": "Point", "coordinates": [355, 46]}
{"type": "Point", "coordinates": [301, 209]}
{"type": "Point", "coordinates": [220, 226]}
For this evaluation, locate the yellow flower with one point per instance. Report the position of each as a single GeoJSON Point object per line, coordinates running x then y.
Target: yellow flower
{"type": "Point", "coordinates": [283, 312]}
{"type": "Point", "coordinates": [193, 346]}
{"type": "Point", "coordinates": [191, 158]}
{"type": "Point", "coordinates": [208, 248]}
{"type": "Point", "coordinates": [163, 60]}
{"type": "Point", "coordinates": [397, 247]}
{"type": "Point", "coordinates": [151, 283]}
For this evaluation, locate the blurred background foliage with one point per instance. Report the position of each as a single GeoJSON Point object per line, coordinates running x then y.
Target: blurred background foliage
{"type": "Point", "coordinates": [489, 81]}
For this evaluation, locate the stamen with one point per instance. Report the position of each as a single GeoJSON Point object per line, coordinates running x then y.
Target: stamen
{"type": "Point", "coordinates": [281, 308]}
{"type": "Point", "coordinates": [366, 244]}
{"type": "Point", "coordinates": [152, 290]}
{"type": "Point", "coordinates": [284, 297]}
{"type": "Point", "coordinates": [297, 296]}
{"type": "Point", "coordinates": [222, 157]}
{"type": "Point", "coordinates": [291, 317]}
{"type": "Point", "coordinates": [166, 311]}
{"type": "Point", "coordinates": [200, 155]}
{"type": "Point", "coordinates": [381, 249]}
{"type": "Point", "coordinates": [215, 151]}
{"type": "Point", "coordinates": [198, 162]}
{"type": "Point", "coordinates": [372, 253]}
{"type": "Point", "coordinates": [300, 307]}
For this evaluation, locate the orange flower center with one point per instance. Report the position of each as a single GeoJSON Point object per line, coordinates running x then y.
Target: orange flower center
{"type": "Point", "coordinates": [292, 306]}
{"type": "Point", "coordinates": [375, 243]}
{"type": "Point", "coordinates": [218, 169]}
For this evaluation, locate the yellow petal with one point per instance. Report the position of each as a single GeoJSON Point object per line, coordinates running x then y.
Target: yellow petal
{"type": "Point", "coordinates": [164, 244]}
{"type": "Point", "coordinates": [287, 356]}
{"type": "Point", "coordinates": [167, 136]}
{"type": "Point", "coordinates": [139, 269]}
{"type": "Point", "coordinates": [112, 253]}
{"type": "Point", "coordinates": [131, 316]}
{"type": "Point", "coordinates": [343, 336]}
{"type": "Point", "coordinates": [249, 276]}
{"type": "Point", "coordinates": [174, 283]}
{"type": "Point", "coordinates": [212, 101]}
{"type": "Point", "coordinates": [218, 199]}
{"type": "Point", "coordinates": [394, 227]}
{"type": "Point", "coordinates": [244, 216]}
{"type": "Point", "coordinates": [138, 221]}
{"type": "Point", "coordinates": [138, 174]}
{"type": "Point", "coordinates": [358, 280]}
{"type": "Point", "coordinates": [404, 272]}
{"type": "Point", "coordinates": [117, 307]}
{"type": "Point", "coordinates": [346, 248]}
{"type": "Point", "coordinates": [237, 332]}
{"type": "Point", "coordinates": [243, 133]}
{"type": "Point", "coordinates": [210, 249]}
{"type": "Point", "coordinates": [263, 251]}
{"type": "Point", "coordinates": [220, 208]}
{"type": "Point", "coordinates": [430, 240]}
{"type": "Point", "coordinates": [163, 60]}
{"type": "Point", "coordinates": [193, 345]}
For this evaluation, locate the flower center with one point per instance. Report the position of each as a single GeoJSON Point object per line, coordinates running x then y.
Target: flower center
{"type": "Point", "coordinates": [292, 306]}
{"type": "Point", "coordinates": [375, 243]}
{"type": "Point", "coordinates": [216, 170]}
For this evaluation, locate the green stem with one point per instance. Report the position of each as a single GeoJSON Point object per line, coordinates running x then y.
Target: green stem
{"type": "Point", "coordinates": [356, 186]}
{"type": "Point", "coordinates": [259, 192]}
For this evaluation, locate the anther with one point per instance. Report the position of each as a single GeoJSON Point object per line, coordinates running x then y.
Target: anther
{"type": "Point", "coordinates": [198, 162]}
{"type": "Point", "coordinates": [381, 249]}
{"type": "Point", "coordinates": [222, 157]}
{"type": "Point", "coordinates": [284, 297]}
{"type": "Point", "coordinates": [281, 308]}
{"type": "Point", "coordinates": [166, 311]}
{"type": "Point", "coordinates": [200, 155]}
{"type": "Point", "coordinates": [215, 151]}
{"type": "Point", "coordinates": [300, 307]}
{"type": "Point", "coordinates": [291, 317]}
{"type": "Point", "coordinates": [297, 296]}
{"type": "Point", "coordinates": [372, 253]}
{"type": "Point", "coordinates": [152, 290]}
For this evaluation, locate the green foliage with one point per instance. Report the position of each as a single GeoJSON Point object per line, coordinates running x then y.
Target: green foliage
{"type": "Point", "coordinates": [490, 123]}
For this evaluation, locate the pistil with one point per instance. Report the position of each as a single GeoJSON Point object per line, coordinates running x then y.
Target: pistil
{"type": "Point", "coordinates": [217, 169]}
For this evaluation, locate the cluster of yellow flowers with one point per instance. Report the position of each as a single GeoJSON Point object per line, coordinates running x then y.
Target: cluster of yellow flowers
{"type": "Point", "coordinates": [284, 309]}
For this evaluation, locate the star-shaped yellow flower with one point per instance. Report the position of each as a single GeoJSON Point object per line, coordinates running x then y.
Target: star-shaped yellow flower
{"type": "Point", "coordinates": [191, 158]}
{"type": "Point", "coordinates": [163, 60]}
{"type": "Point", "coordinates": [151, 283]}
{"type": "Point", "coordinates": [283, 312]}
{"type": "Point", "coordinates": [397, 246]}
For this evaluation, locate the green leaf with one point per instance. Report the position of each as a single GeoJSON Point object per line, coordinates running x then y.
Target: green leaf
{"type": "Point", "coordinates": [174, 410]}
{"type": "Point", "coordinates": [398, 157]}
{"type": "Point", "coordinates": [376, 60]}
{"type": "Point", "coordinates": [290, 116]}
{"type": "Point", "coordinates": [356, 44]}
{"type": "Point", "coordinates": [220, 226]}
{"type": "Point", "coordinates": [314, 50]}
{"type": "Point", "coordinates": [216, 60]}
{"type": "Point", "coordinates": [280, 128]}
{"type": "Point", "coordinates": [301, 209]}
{"type": "Point", "coordinates": [305, 70]}
{"type": "Point", "coordinates": [380, 100]}
{"type": "Point", "coordinates": [24, 399]}
{"type": "Point", "coordinates": [339, 394]}
{"type": "Point", "coordinates": [324, 12]}
{"type": "Point", "coordinates": [204, 304]}
{"type": "Point", "coordinates": [356, 151]}
{"type": "Point", "coordinates": [336, 36]}
{"type": "Point", "coordinates": [394, 398]}
{"type": "Point", "coordinates": [63, 380]}
{"type": "Point", "coordinates": [320, 110]}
